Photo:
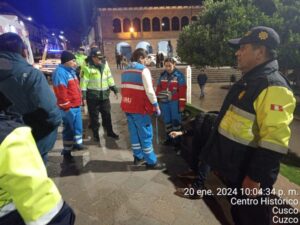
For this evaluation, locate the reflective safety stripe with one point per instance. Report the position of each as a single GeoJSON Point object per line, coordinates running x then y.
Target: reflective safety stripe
{"type": "Point", "coordinates": [182, 99]}
{"type": "Point", "coordinates": [242, 113]}
{"type": "Point", "coordinates": [148, 150]}
{"type": "Point", "coordinates": [236, 138]}
{"type": "Point", "coordinates": [133, 86]}
{"type": "Point", "coordinates": [273, 147]}
{"type": "Point", "coordinates": [177, 128]}
{"type": "Point", "coordinates": [46, 218]}
{"type": "Point", "coordinates": [65, 103]}
{"type": "Point", "coordinates": [97, 89]}
{"type": "Point", "coordinates": [7, 209]}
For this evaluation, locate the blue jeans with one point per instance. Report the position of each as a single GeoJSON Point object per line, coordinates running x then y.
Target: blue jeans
{"type": "Point", "coordinates": [46, 144]}
{"type": "Point", "coordinates": [141, 135]}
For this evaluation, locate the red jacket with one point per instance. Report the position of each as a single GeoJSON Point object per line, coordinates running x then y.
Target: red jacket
{"type": "Point", "coordinates": [134, 98]}
{"type": "Point", "coordinates": [175, 83]}
{"type": "Point", "coordinates": [66, 88]}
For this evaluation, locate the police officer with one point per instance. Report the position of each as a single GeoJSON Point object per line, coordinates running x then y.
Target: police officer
{"type": "Point", "coordinates": [139, 102]}
{"type": "Point", "coordinates": [96, 84]}
{"type": "Point", "coordinates": [171, 93]}
{"type": "Point", "coordinates": [27, 194]}
{"type": "Point", "coordinates": [252, 131]}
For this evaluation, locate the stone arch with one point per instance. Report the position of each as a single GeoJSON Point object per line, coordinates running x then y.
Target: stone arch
{"type": "Point", "coordinates": [194, 18]}
{"type": "Point", "coordinates": [136, 23]}
{"type": "Point", "coordinates": [184, 21]}
{"type": "Point", "coordinates": [162, 47]}
{"type": "Point", "coordinates": [155, 24]}
{"type": "Point", "coordinates": [145, 45]}
{"type": "Point", "coordinates": [126, 25]}
{"type": "Point", "coordinates": [146, 24]}
{"type": "Point", "coordinates": [165, 24]}
{"type": "Point", "coordinates": [124, 48]}
{"type": "Point", "coordinates": [175, 23]}
{"type": "Point", "coordinates": [117, 28]}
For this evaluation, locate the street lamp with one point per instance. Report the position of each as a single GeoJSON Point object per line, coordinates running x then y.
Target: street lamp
{"type": "Point", "coordinates": [29, 18]}
{"type": "Point", "coordinates": [53, 34]}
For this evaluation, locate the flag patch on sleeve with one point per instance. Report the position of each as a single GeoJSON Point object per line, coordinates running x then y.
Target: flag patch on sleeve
{"type": "Point", "coordinates": [275, 107]}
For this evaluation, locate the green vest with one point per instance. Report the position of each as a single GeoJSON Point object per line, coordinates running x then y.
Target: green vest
{"type": "Point", "coordinates": [97, 85]}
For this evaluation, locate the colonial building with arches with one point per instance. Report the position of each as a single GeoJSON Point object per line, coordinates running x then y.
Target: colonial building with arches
{"type": "Point", "coordinates": [122, 26]}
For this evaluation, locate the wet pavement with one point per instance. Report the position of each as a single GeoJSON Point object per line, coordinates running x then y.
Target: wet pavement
{"type": "Point", "coordinates": [104, 188]}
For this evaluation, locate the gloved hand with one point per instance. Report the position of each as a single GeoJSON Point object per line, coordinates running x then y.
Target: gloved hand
{"type": "Point", "coordinates": [157, 111]}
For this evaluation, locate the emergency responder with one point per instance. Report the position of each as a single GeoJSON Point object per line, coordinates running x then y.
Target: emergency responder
{"type": "Point", "coordinates": [27, 194]}
{"type": "Point", "coordinates": [252, 131]}
{"type": "Point", "coordinates": [80, 60]}
{"type": "Point", "coordinates": [68, 94]}
{"type": "Point", "coordinates": [171, 94]}
{"type": "Point", "coordinates": [139, 102]}
{"type": "Point", "coordinates": [29, 92]}
{"type": "Point", "coordinates": [96, 83]}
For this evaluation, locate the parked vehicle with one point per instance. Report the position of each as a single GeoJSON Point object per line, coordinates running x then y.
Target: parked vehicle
{"type": "Point", "coordinates": [11, 23]}
{"type": "Point", "coordinates": [151, 60]}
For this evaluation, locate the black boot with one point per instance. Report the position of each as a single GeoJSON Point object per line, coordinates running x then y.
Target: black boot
{"type": "Point", "coordinates": [113, 135]}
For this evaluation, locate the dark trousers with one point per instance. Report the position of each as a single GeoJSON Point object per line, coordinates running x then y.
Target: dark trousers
{"type": "Point", "coordinates": [95, 107]}
{"type": "Point", "coordinates": [65, 216]}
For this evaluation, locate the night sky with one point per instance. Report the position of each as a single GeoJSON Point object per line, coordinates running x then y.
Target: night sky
{"type": "Point", "coordinates": [71, 16]}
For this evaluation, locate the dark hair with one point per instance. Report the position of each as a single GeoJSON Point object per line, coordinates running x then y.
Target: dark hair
{"type": "Point", "coordinates": [270, 53]}
{"type": "Point", "coordinates": [137, 54]}
{"type": "Point", "coordinates": [12, 42]}
{"type": "Point", "coordinates": [170, 60]}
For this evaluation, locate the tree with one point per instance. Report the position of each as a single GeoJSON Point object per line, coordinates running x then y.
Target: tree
{"type": "Point", "coordinates": [205, 41]}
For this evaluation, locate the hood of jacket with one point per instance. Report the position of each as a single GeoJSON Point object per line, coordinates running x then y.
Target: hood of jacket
{"type": "Point", "coordinates": [9, 62]}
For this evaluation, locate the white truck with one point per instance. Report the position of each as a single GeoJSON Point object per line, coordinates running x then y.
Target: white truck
{"type": "Point", "coordinates": [11, 23]}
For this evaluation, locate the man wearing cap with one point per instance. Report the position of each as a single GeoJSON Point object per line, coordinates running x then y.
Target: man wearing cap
{"type": "Point", "coordinates": [67, 90]}
{"type": "Point", "coordinates": [29, 93]}
{"type": "Point", "coordinates": [252, 130]}
{"type": "Point", "coordinates": [96, 84]}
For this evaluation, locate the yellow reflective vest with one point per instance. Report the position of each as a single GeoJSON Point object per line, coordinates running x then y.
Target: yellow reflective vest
{"type": "Point", "coordinates": [252, 132]}
{"type": "Point", "coordinates": [95, 83]}
{"type": "Point", "coordinates": [24, 184]}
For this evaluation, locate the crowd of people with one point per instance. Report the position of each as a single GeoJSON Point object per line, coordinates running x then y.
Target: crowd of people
{"type": "Point", "coordinates": [243, 143]}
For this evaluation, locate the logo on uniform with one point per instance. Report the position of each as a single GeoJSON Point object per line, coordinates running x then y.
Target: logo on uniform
{"type": "Point", "coordinates": [127, 100]}
{"type": "Point", "coordinates": [275, 107]}
{"type": "Point", "coordinates": [241, 95]}
{"type": "Point", "coordinates": [263, 35]}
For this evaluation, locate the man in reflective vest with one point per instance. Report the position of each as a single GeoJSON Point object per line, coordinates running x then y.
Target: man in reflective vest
{"type": "Point", "coordinates": [96, 84]}
{"type": "Point", "coordinates": [139, 102]}
{"type": "Point", "coordinates": [252, 131]}
{"type": "Point", "coordinates": [27, 195]}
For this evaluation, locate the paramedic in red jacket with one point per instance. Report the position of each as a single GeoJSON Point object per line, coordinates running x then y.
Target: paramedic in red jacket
{"type": "Point", "coordinates": [68, 93]}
